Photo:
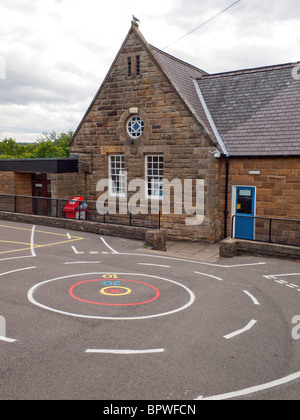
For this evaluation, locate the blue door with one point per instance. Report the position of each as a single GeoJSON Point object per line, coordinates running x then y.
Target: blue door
{"type": "Point", "coordinates": [245, 211]}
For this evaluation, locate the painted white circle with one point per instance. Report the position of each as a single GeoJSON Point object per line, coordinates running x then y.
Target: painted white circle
{"type": "Point", "coordinates": [31, 298]}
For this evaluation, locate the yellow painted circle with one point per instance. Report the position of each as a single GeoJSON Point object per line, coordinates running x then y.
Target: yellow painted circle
{"type": "Point", "coordinates": [105, 291]}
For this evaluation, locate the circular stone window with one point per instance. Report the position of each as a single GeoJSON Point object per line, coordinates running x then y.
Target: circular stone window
{"type": "Point", "coordinates": [135, 127]}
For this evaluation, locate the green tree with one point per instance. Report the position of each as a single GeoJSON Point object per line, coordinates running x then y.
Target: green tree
{"type": "Point", "coordinates": [60, 140]}
{"type": "Point", "coordinates": [47, 149]}
{"type": "Point", "coordinates": [52, 145]}
{"type": "Point", "coordinates": [10, 148]}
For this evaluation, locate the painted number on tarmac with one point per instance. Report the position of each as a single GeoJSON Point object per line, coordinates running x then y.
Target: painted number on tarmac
{"type": "Point", "coordinates": [113, 288]}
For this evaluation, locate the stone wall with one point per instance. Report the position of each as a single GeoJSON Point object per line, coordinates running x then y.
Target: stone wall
{"type": "Point", "coordinates": [129, 232]}
{"type": "Point", "coordinates": [7, 183]}
{"type": "Point", "coordinates": [278, 185]}
{"type": "Point", "coordinates": [234, 247]}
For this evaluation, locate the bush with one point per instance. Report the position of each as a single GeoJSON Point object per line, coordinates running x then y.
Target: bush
{"type": "Point", "coordinates": [52, 145]}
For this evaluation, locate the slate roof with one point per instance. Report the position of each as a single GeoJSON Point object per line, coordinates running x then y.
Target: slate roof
{"type": "Point", "coordinates": [256, 111]}
{"type": "Point", "coordinates": [182, 75]}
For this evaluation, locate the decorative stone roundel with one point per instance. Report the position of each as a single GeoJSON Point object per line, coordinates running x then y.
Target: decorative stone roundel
{"type": "Point", "coordinates": [135, 127]}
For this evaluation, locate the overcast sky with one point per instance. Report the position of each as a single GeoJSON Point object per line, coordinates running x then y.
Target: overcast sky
{"type": "Point", "coordinates": [54, 54]}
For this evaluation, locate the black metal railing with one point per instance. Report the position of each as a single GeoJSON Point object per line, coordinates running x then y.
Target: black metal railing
{"type": "Point", "coordinates": [267, 229]}
{"type": "Point", "coordinates": [54, 207]}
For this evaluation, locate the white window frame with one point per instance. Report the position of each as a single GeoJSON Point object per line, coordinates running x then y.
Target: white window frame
{"type": "Point", "coordinates": [135, 133]}
{"type": "Point", "coordinates": [155, 178]}
{"type": "Point", "coordinates": [117, 174]}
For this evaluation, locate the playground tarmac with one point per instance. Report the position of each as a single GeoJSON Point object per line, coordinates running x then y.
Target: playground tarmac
{"type": "Point", "coordinates": [88, 317]}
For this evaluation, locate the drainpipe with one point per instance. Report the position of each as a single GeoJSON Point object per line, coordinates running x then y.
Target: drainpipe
{"type": "Point", "coordinates": [226, 196]}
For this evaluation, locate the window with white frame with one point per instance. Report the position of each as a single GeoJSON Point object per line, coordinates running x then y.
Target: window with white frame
{"type": "Point", "coordinates": [117, 175]}
{"type": "Point", "coordinates": [135, 127]}
{"type": "Point", "coordinates": [154, 176]}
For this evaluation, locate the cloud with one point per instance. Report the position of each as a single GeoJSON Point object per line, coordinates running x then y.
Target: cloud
{"type": "Point", "coordinates": [56, 55]}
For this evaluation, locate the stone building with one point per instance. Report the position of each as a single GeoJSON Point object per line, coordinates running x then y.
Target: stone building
{"type": "Point", "coordinates": [146, 119]}
{"type": "Point", "coordinates": [158, 119]}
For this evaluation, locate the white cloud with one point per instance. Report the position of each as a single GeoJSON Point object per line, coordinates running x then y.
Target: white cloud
{"type": "Point", "coordinates": [56, 53]}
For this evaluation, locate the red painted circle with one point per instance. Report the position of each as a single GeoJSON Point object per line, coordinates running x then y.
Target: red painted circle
{"type": "Point", "coordinates": [114, 304]}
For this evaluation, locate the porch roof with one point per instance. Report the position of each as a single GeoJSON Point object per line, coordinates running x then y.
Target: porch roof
{"type": "Point", "coordinates": [53, 165]}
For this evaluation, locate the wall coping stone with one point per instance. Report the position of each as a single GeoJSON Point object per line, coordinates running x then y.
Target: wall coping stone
{"type": "Point", "coordinates": [233, 247]}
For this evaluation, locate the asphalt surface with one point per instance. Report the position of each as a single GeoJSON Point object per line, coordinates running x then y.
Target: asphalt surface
{"type": "Point", "coordinates": [85, 317]}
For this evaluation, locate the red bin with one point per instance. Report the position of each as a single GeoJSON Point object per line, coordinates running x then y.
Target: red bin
{"type": "Point", "coordinates": [76, 208]}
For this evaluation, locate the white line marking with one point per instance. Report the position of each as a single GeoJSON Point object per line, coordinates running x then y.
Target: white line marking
{"type": "Point", "coordinates": [3, 331]}
{"type": "Point", "coordinates": [35, 287]}
{"type": "Point", "coordinates": [7, 340]}
{"type": "Point", "coordinates": [108, 246]}
{"type": "Point", "coordinates": [155, 265]}
{"type": "Point", "coordinates": [32, 242]}
{"type": "Point", "coordinates": [15, 271]}
{"type": "Point", "coordinates": [243, 330]}
{"type": "Point", "coordinates": [209, 275]}
{"type": "Point", "coordinates": [77, 252]}
{"type": "Point", "coordinates": [82, 262]}
{"type": "Point", "coordinates": [16, 258]}
{"type": "Point", "coordinates": [190, 261]}
{"type": "Point", "coordinates": [254, 389]}
{"type": "Point", "coordinates": [254, 300]}
{"type": "Point", "coordinates": [94, 252]}
{"type": "Point", "coordinates": [282, 275]}
{"type": "Point", "coordinates": [107, 351]}
{"type": "Point", "coordinates": [242, 265]}
{"type": "Point", "coordinates": [69, 236]}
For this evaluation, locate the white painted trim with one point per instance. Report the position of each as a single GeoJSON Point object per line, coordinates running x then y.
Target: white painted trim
{"type": "Point", "coordinates": [147, 196]}
{"type": "Point", "coordinates": [110, 183]}
{"type": "Point", "coordinates": [210, 119]}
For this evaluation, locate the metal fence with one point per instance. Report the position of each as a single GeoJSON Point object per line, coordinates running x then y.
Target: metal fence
{"type": "Point", "coordinates": [271, 230]}
{"type": "Point", "coordinates": [54, 207]}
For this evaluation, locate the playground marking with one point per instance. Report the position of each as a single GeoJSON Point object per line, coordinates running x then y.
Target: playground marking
{"type": "Point", "coordinates": [243, 330]}
{"type": "Point", "coordinates": [3, 331]}
{"type": "Point", "coordinates": [32, 242]}
{"type": "Point", "coordinates": [254, 389]}
{"type": "Point", "coordinates": [108, 246]}
{"type": "Point", "coordinates": [113, 289]}
{"type": "Point", "coordinates": [32, 246]}
{"type": "Point", "coordinates": [126, 352]}
{"type": "Point", "coordinates": [19, 269]}
{"type": "Point", "coordinates": [254, 300]}
{"type": "Point", "coordinates": [31, 292]}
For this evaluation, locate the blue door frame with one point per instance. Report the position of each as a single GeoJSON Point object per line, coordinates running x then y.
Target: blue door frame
{"type": "Point", "coordinates": [245, 199]}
